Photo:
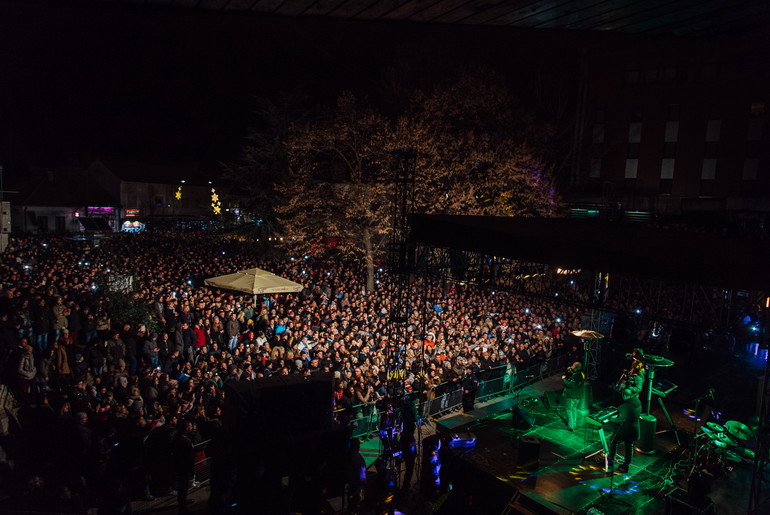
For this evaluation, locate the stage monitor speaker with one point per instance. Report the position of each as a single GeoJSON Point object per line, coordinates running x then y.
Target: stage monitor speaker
{"type": "Point", "coordinates": [551, 399]}
{"type": "Point", "coordinates": [529, 451]}
{"type": "Point", "coordinates": [647, 427]}
{"type": "Point", "coordinates": [521, 419]}
{"type": "Point", "coordinates": [679, 503]}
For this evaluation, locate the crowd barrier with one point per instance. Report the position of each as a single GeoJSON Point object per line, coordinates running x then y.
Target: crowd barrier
{"type": "Point", "coordinates": [496, 382]}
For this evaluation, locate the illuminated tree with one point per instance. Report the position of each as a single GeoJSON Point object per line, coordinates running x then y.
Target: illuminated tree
{"type": "Point", "coordinates": [337, 182]}
{"type": "Point", "coordinates": [478, 152]}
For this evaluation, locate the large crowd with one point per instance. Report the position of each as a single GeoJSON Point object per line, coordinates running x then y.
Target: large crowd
{"type": "Point", "coordinates": [95, 410]}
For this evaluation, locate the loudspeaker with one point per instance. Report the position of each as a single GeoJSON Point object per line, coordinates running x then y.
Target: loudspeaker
{"type": "Point", "coordinates": [521, 419]}
{"type": "Point", "coordinates": [647, 426]}
{"type": "Point", "coordinates": [678, 503]}
{"type": "Point", "coordinates": [551, 400]}
{"type": "Point", "coordinates": [529, 451]}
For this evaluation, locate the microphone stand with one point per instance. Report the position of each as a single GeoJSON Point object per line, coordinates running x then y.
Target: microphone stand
{"type": "Point", "coordinates": [696, 437]}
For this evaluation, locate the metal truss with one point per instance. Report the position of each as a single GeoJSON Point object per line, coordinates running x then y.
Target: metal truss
{"type": "Point", "coordinates": [400, 265]}
{"type": "Point", "coordinates": [759, 500]}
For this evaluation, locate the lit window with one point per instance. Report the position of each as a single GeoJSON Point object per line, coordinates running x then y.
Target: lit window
{"type": "Point", "coordinates": [667, 168]}
{"type": "Point", "coordinates": [709, 169]}
{"type": "Point", "coordinates": [632, 165]}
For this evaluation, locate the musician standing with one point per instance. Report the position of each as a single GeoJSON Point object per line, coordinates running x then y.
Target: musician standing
{"type": "Point", "coordinates": [628, 429]}
{"type": "Point", "coordinates": [636, 374]}
{"type": "Point", "coordinates": [574, 379]}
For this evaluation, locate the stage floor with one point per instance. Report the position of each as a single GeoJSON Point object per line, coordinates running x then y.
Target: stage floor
{"type": "Point", "coordinates": [566, 479]}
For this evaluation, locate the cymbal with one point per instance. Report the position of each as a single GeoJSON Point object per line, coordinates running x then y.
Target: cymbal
{"type": "Point", "coordinates": [717, 428]}
{"type": "Point", "coordinates": [710, 432]}
{"type": "Point", "coordinates": [745, 453]}
{"type": "Point", "coordinates": [738, 430]}
{"type": "Point", "coordinates": [731, 456]}
{"type": "Point", "coordinates": [656, 361]}
{"type": "Point", "coordinates": [718, 444]}
{"type": "Point", "coordinates": [728, 440]}
{"type": "Point", "coordinates": [585, 333]}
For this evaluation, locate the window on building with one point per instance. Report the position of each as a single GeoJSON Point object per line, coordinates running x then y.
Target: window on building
{"type": "Point", "coordinates": [750, 169]}
{"type": "Point", "coordinates": [713, 130]}
{"type": "Point", "coordinates": [632, 166]}
{"type": "Point", "coordinates": [758, 109]}
{"type": "Point", "coordinates": [672, 113]}
{"type": "Point", "coordinates": [668, 74]}
{"type": "Point", "coordinates": [672, 132]}
{"type": "Point", "coordinates": [753, 148]}
{"type": "Point", "coordinates": [61, 225]}
{"type": "Point", "coordinates": [629, 185]}
{"type": "Point", "coordinates": [707, 188]}
{"type": "Point", "coordinates": [635, 132]}
{"type": "Point", "coordinates": [596, 169]}
{"type": "Point", "coordinates": [666, 186]}
{"type": "Point", "coordinates": [709, 73]}
{"type": "Point", "coordinates": [42, 223]}
{"type": "Point", "coordinates": [599, 116]}
{"type": "Point", "coordinates": [711, 149]}
{"type": "Point", "coordinates": [709, 169]}
{"type": "Point", "coordinates": [631, 76]}
{"type": "Point", "coordinates": [756, 127]}
{"type": "Point", "coordinates": [669, 150]}
{"type": "Point", "coordinates": [650, 75]}
{"type": "Point", "coordinates": [667, 168]}
{"type": "Point", "coordinates": [633, 151]}
{"type": "Point", "coordinates": [598, 133]}
{"type": "Point", "coordinates": [667, 175]}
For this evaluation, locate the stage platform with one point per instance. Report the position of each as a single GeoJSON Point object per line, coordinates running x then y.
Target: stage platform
{"type": "Point", "coordinates": [499, 475]}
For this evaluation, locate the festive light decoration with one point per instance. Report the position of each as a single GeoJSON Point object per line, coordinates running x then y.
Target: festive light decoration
{"type": "Point", "coordinates": [216, 204]}
{"type": "Point", "coordinates": [178, 194]}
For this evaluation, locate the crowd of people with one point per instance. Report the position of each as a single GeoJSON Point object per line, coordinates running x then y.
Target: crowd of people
{"type": "Point", "coordinates": [97, 408]}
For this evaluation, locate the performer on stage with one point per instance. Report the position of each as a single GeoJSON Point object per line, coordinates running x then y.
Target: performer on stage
{"type": "Point", "coordinates": [633, 378]}
{"type": "Point", "coordinates": [574, 379]}
{"type": "Point", "coordinates": [628, 429]}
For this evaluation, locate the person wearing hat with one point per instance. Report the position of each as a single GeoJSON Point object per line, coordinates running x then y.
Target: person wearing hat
{"type": "Point", "coordinates": [574, 379]}
{"type": "Point", "coordinates": [470, 386]}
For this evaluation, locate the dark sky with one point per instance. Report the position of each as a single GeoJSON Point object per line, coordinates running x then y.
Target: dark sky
{"type": "Point", "coordinates": [135, 83]}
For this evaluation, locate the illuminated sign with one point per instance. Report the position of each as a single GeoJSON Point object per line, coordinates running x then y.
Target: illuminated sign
{"type": "Point", "coordinates": [132, 212]}
{"type": "Point", "coordinates": [100, 210]}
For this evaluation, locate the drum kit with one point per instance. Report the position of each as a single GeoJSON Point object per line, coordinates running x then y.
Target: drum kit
{"type": "Point", "coordinates": [724, 446]}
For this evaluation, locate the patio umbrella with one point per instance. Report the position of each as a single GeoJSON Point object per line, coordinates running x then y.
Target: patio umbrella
{"type": "Point", "coordinates": [254, 281]}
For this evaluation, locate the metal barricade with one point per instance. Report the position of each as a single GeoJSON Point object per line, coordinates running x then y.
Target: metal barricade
{"type": "Point", "coordinates": [501, 381]}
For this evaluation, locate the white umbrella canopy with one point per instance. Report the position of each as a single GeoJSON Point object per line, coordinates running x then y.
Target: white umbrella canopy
{"type": "Point", "coordinates": [254, 281]}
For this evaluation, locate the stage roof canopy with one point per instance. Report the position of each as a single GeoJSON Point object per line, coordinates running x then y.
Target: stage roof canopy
{"type": "Point", "coordinates": [626, 248]}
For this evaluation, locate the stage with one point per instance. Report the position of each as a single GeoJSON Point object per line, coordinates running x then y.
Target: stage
{"type": "Point", "coordinates": [548, 469]}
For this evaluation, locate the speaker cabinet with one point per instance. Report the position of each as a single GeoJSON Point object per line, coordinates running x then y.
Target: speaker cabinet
{"type": "Point", "coordinates": [551, 400]}
{"type": "Point", "coordinates": [521, 418]}
{"type": "Point", "coordinates": [529, 451]}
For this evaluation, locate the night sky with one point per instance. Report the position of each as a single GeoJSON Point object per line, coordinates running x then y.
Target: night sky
{"type": "Point", "coordinates": [143, 84]}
